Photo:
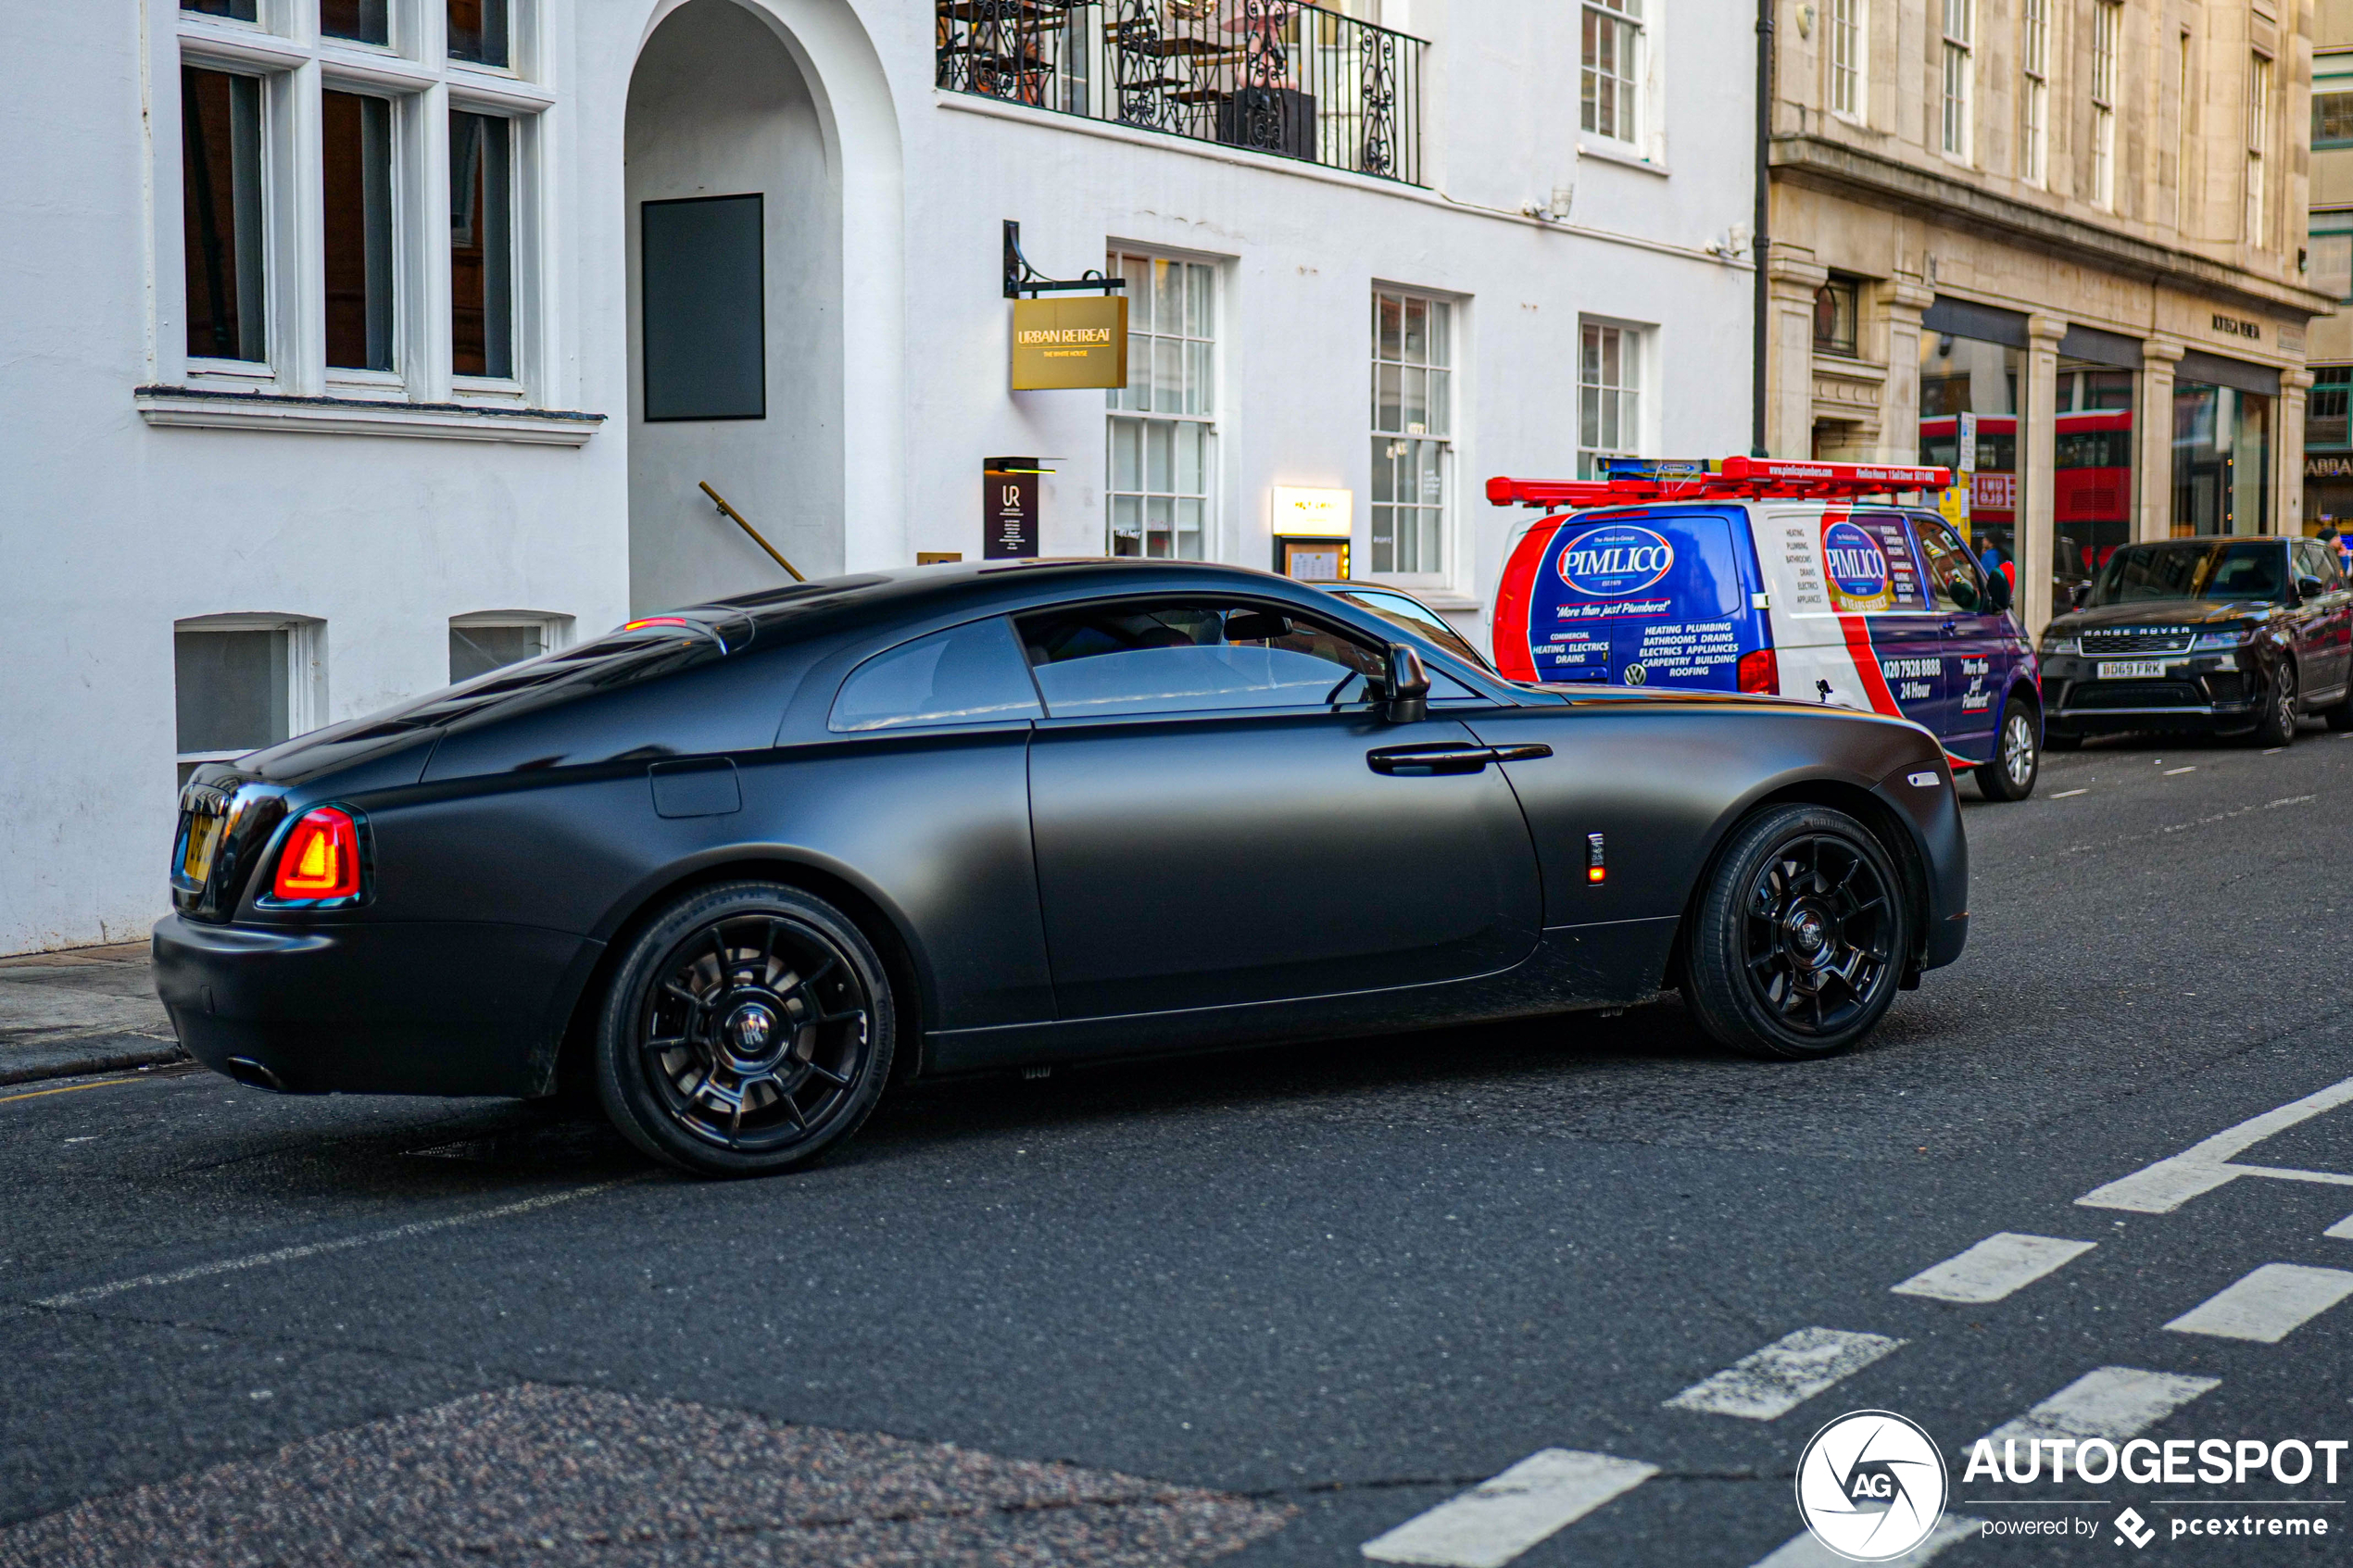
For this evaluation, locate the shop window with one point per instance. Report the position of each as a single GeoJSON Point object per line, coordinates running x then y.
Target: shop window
{"type": "Point", "coordinates": [362, 21]}
{"type": "Point", "coordinates": [482, 277]}
{"type": "Point", "coordinates": [2222, 460]}
{"type": "Point", "coordinates": [1969, 421]}
{"type": "Point", "coordinates": [705, 323]}
{"type": "Point", "coordinates": [2332, 120]}
{"type": "Point", "coordinates": [1161, 427]}
{"type": "Point", "coordinates": [356, 167]}
{"type": "Point", "coordinates": [241, 683]}
{"type": "Point", "coordinates": [479, 33]}
{"type": "Point", "coordinates": [1412, 426]}
{"type": "Point", "coordinates": [220, 210]}
{"type": "Point", "coordinates": [479, 644]}
{"type": "Point", "coordinates": [2326, 423]}
{"type": "Point", "coordinates": [1835, 309]}
{"type": "Point", "coordinates": [1610, 73]}
{"type": "Point", "coordinates": [2095, 455]}
{"type": "Point", "coordinates": [1850, 57]}
{"type": "Point", "coordinates": [1609, 395]}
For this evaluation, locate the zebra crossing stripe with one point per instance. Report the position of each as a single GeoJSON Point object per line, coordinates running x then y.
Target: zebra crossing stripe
{"type": "Point", "coordinates": [1497, 1520]}
{"type": "Point", "coordinates": [2268, 1305]}
{"type": "Point", "coordinates": [2341, 1231]}
{"type": "Point", "coordinates": [1994, 1268]}
{"type": "Point", "coordinates": [2114, 1403]}
{"type": "Point", "coordinates": [1784, 1374]}
{"type": "Point", "coordinates": [1806, 1551]}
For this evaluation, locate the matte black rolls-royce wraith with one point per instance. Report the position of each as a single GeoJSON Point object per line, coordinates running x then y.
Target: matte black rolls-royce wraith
{"type": "Point", "coordinates": [741, 867]}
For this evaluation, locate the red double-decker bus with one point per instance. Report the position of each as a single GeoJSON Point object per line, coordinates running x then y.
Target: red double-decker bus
{"type": "Point", "coordinates": [2091, 489]}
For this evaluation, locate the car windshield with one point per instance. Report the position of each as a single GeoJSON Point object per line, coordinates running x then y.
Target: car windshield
{"type": "Point", "coordinates": [2191, 569]}
{"type": "Point", "coordinates": [1412, 616]}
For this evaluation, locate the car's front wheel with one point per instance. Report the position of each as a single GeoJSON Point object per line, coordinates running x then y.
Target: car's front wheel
{"type": "Point", "coordinates": [748, 1029]}
{"type": "Point", "coordinates": [1800, 940]}
{"type": "Point", "coordinates": [2277, 725]}
{"type": "Point", "coordinates": [2018, 759]}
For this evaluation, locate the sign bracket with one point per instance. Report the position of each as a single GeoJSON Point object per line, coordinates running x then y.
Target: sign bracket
{"type": "Point", "coordinates": [1021, 278]}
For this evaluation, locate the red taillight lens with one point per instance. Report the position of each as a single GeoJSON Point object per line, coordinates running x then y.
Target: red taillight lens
{"type": "Point", "coordinates": [1760, 673]}
{"type": "Point", "coordinates": [322, 856]}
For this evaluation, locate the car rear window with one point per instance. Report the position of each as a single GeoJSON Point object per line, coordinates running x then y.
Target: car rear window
{"type": "Point", "coordinates": [971, 674]}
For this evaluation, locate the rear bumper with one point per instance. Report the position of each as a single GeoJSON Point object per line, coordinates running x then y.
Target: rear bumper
{"type": "Point", "coordinates": [455, 1008]}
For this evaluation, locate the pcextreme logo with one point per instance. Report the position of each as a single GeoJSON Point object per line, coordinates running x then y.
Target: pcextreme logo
{"type": "Point", "coordinates": [1872, 1486]}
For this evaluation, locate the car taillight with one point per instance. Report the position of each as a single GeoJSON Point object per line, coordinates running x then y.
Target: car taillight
{"type": "Point", "coordinates": [322, 856]}
{"type": "Point", "coordinates": [1759, 673]}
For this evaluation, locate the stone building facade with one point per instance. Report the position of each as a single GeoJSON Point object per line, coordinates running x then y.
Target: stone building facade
{"type": "Point", "coordinates": [2062, 238]}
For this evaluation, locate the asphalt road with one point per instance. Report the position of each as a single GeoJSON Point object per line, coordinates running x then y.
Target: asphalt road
{"type": "Point", "coordinates": [1264, 1308]}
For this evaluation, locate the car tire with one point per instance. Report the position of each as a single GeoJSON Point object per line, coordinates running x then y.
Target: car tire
{"type": "Point", "coordinates": [2017, 757]}
{"type": "Point", "coordinates": [2277, 725]}
{"type": "Point", "coordinates": [747, 1030]}
{"type": "Point", "coordinates": [1801, 937]}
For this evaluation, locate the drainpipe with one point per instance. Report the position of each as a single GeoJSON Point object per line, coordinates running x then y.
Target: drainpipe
{"type": "Point", "coordinates": [1759, 242]}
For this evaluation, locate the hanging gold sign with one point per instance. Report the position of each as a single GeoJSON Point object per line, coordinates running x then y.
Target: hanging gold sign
{"type": "Point", "coordinates": [1068, 343]}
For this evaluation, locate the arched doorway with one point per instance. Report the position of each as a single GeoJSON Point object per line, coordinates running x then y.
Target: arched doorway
{"type": "Point", "coordinates": [735, 317]}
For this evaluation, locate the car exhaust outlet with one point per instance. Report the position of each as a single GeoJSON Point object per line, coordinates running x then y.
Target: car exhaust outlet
{"type": "Point", "coordinates": [246, 1071]}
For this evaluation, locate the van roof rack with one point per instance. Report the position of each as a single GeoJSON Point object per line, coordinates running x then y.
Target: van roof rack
{"type": "Point", "coordinates": [1718, 479]}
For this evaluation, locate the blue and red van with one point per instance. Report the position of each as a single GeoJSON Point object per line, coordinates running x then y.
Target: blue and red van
{"type": "Point", "coordinates": [1800, 579]}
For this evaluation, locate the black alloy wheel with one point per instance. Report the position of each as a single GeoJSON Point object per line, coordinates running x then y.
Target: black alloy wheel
{"type": "Point", "coordinates": [749, 1029]}
{"type": "Point", "coordinates": [2277, 725]}
{"type": "Point", "coordinates": [2017, 760]}
{"type": "Point", "coordinates": [1801, 937]}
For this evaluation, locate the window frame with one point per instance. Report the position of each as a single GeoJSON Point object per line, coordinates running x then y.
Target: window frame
{"type": "Point", "coordinates": [2034, 112]}
{"type": "Point", "coordinates": [1958, 87]}
{"type": "Point", "coordinates": [304, 675]}
{"type": "Point", "coordinates": [1631, 431]}
{"type": "Point", "coordinates": [294, 65]}
{"type": "Point", "coordinates": [1437, 572]}
{"type": "Point", "coordinates": [1848, 59]}
{"type": "Point", "coordinates": [1140, 359]}
{"type": "Point", "coordinates": [1629, 28]}
{"type": "Point", "coordinates": [555, 631]}
{"type": "Point", "coordinates": [2108, 49]}
{"type": "Point", "coordinates": [2261, 72]}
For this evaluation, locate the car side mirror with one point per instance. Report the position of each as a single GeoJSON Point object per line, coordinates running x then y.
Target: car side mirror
{"type": "Point", "coordinates": [2309, 588]}
{"type": "Point", "coordinates": [1407, 686]}
{"type": "Point", "coordinates": [2079, 595]}
{"type": "Point", "coordinates": [1997, 593]}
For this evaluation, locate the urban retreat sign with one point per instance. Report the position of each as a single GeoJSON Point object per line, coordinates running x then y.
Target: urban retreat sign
{"type": "Point", "coordinates": [1070, 342]}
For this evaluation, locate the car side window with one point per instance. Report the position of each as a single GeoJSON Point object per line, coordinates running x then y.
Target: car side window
{"type": "Point", "coordinates": [1192, 657]}
{"type": "Point", "coordinates": [969, 674]}
{"type": "Point", "coordinates": [1952, 582]}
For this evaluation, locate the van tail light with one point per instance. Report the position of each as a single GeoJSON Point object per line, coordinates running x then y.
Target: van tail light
{"type": "Point", "coordinates": [1760, 673]}
{"type": "Point", "coordinates": [321, 858]}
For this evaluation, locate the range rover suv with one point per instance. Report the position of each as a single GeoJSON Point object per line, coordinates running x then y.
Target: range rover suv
{"type": "Point", "coordinates": [2226, 635]}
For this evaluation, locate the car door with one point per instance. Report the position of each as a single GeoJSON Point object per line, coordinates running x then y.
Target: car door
{"type": "Point", "coordinates": [1221, 816]}
{"type": "Point", "coordinates": [1975, 648]}
{"type": "Point", "coordinates": [2327, 621]}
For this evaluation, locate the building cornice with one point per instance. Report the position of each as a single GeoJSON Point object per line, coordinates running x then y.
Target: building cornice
{"type": "Point", "coordinates": [1841, 169]}
{"type": "Point", "coordinates": [205, 408]}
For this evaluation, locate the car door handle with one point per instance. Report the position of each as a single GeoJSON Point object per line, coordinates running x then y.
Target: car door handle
{"type": "Point", "coordinates": [1447, 758]}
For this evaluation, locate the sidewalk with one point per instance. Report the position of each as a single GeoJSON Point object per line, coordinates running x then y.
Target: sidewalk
{"type": "Point", "coordinates": [87, 1009]}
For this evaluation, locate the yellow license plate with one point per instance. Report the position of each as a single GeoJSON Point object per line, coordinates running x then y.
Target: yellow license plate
{"type": "Point", "coordinates": [204, 837]}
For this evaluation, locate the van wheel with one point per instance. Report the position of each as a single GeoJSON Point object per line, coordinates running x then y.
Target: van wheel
{"type": "Point", "coordinates": [2017, 758]}
{"type": "Point", "coordinates": [1800, 940]}
{"type": "Point", "coordinates": [748, 1031]}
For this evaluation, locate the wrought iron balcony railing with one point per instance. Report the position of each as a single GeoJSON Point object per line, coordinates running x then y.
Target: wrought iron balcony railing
{"type": "Point", "coordinates": [1278, 76]}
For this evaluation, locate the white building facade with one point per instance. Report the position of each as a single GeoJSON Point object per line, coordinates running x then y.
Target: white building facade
{"type": "Point", "coordinates": [329, 374]}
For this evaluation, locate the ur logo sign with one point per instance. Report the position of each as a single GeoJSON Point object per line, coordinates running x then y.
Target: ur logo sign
{"type": "Point", "coordinates": [1870, 1486]}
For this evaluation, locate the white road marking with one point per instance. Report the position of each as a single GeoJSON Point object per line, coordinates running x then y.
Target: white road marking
{"type": "Point", "coordinates": [2269, 1304]}
{"type": "Point", "coordinates": [1497, 1520]}
{"type": "Point", "coordinates": [2170, 772]}
{"type": "Point", "coordinates": [2173, 1181]}
{"type": "Point", "coordinates": [2341, 1231]}
{"type": "Point", "coordinates": [1784, 1374]}
{"type": "Point", "coordinates": [82, 1298]}
{"type": "Point", "coordinates": [1995, 1267]}
{"type": "Point", "coordinates": [2062, 794]}
{"type": "Point", "coordinates": [2115, 1402]}
{"type": "Point", "coordinates": [1806, 1551]}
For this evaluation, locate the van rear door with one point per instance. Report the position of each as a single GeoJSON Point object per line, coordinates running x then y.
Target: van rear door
{"type": "Point", "coordinates": [1851, 623]}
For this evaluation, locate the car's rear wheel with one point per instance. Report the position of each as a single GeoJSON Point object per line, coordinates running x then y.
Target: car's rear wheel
{"type": "Point", "coordinates": [2018, 759]}
{"type": "Point", "coordinates": [2277, 725]}
{"type": "Point", "coordinates": [747, 1030]}
{"type": "Point", "coordinates": [1801, 938]}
